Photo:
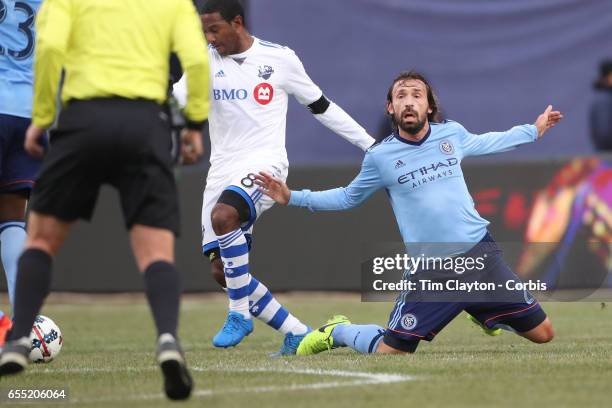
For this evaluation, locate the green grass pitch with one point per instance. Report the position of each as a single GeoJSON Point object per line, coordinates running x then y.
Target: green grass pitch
{"type": "Point", "coordinates": [108, 360]}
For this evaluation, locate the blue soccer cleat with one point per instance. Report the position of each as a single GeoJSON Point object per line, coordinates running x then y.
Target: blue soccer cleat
{"type": "Point", "coordinates": [236, 328]}
{"type": "Point", "coordinates": [290, 344]}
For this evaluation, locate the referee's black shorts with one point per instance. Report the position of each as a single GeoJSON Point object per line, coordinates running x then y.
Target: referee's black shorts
{"type": "Point", "coordinates": [121, 142]}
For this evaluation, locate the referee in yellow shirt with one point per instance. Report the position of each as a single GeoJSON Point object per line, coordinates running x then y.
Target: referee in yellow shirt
{"type": "Point", "coordinates": [112, 130]}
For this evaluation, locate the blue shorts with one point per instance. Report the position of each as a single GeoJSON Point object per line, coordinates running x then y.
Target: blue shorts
{"type": "Point", "coordinates": [18, 169]}
{"type": "Point", "coordinates": [412, 320]}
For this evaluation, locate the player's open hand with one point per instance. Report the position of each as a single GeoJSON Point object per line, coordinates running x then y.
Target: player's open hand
{"type": "Point", "coordinates": [547, 120]}
{"type": "Point", "coordinates": [33, 141]}
{"type": "Point", "coordinates": [273, 187]}
{"type": "Point", "coordinates": [191, 146]}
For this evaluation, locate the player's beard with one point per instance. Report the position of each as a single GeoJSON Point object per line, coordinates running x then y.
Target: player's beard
{"type": "Point", "coordinates": [413, 128]}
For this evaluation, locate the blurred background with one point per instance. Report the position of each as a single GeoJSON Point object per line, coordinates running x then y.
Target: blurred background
{"type": "Point", "coordinates": [493, 64]}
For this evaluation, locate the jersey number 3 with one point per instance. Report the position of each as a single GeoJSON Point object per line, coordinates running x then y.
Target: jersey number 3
{"type": "Point", "coordinates": [26, 27]}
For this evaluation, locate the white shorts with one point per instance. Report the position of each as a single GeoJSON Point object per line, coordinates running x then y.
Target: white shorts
{"type": "Point", "coordinates": [240, 181]}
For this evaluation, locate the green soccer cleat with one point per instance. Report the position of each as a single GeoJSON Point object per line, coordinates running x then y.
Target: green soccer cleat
{"type": "Point", "coordinates": [321, 339]}
{"type": "Point", "coordinates": [490, 332]}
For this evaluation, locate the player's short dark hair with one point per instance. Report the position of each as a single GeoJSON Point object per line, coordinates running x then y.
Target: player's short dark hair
{"type": "Point", "coordinates": [432, 99]}
{"type": "Point", "coordinates": [228, 9]}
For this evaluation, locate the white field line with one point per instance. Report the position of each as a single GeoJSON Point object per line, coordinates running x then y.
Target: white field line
{"type": "Point", "coordinates": [355, 378]}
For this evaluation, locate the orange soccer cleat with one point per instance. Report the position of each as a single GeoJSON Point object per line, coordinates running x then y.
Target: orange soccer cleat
{"type": "Point", "coordinates": [6, 324]}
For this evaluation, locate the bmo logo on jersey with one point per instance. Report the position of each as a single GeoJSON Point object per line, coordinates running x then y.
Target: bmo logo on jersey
{"type": "Point", "coordinates": [230, 94]}
{"type": "Point", "coordinates": [263, 93]}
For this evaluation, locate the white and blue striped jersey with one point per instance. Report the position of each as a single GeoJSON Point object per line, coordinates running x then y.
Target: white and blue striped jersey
{"type": "Point", "coordinates": [425, 185]}
{"type": "Point", "coordinates": [17, 39]}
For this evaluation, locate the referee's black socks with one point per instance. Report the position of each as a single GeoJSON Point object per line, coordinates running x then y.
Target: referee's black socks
{"type": "Point", "coordinates": [163, 288]}
{"type": "Point", "coordinates": [31, 289]}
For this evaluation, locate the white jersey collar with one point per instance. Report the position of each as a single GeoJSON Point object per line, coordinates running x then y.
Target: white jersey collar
{"type": "Point", "coordinates": [243, 55]}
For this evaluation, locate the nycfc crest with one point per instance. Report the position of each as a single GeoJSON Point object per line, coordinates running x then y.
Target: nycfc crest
{"type": "Point", "coordinates": [409, 321]}
{"type": "Point", "coordinates": [446, 147]}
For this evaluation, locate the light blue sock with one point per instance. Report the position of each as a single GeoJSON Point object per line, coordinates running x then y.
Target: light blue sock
{"type": "Point", "coordinates": [363, 338]}
{"type": "Point", "coordinates": [504, 327]}
{"type": "Point", "coordinates": [12, 239]}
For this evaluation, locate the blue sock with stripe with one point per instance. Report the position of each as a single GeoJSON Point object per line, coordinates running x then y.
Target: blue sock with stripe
{"type": "Point", "coordinates": [235, 257]}
{"type": "Point", "coordinates": [363, 338]}
{"type": "Point", "coordinates": [12, 239]}
{"type": "Point", "coordinates": [267, 309]}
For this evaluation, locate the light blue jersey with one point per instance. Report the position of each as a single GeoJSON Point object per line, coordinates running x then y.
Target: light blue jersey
{"type": "Point", "coordinates": [425, 185]}
{"type": "Point", "coordinates": [17, 38]}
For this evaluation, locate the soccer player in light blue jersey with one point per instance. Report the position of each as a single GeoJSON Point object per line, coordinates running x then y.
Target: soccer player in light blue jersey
{"type": "Point", "coordinates": [17, 168]}
{"type": "Point", "coordinates": [419, 166]}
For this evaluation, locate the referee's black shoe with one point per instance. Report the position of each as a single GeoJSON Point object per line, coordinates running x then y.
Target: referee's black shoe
{"type": "Point", "coordinates": [15, 356]}
{"type": "Point", "coordinates": [177, 381]}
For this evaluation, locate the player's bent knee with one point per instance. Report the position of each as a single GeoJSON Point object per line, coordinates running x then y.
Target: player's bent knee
{"type": "Point", "coordinates": [544, 333]}
{"type": "Point", "coordinates": [224, 219]}
{"type": "Point", "coordinates": [548, 334]}
{"type": "Point", "coordinates": [384, 348]}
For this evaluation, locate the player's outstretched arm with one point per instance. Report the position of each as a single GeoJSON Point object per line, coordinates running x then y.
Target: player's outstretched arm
{"type": "Point", "coordinates": [325, 111]}
{"type": "Point", "coordinates": [496, 142]}
{"type": "Point", "coordinates": [273, 187]}
{"type": "Point", "coordinates": [341, 123]}
{"type": "Point", "coordinates": [547, 120]}
{"type": "Point", "coordinates": [343, 198]}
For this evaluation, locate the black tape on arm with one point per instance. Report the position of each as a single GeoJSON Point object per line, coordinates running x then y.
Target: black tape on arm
{"type": "Point", "coordinates": [319, 106]}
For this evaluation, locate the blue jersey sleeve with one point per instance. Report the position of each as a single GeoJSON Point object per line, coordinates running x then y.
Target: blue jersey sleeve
{"type": "Point", "coordinates": [17, 38]}
{"type": "Point", "coordinates": [361, 188]}
{"type": "Point", "coordinates": [496, 142]}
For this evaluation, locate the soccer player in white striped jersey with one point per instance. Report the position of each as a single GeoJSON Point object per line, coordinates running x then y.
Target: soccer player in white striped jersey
{"type": "Point", "coordinates": [251, 82]}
